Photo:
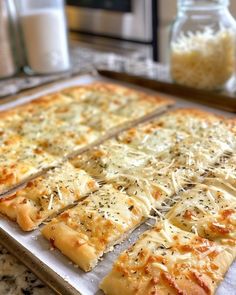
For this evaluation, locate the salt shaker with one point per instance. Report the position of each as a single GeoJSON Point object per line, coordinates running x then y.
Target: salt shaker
{"type": "Point", "coordinates": [43, 26]}
{"type": "Point", "coordinates": [203, 44]}
{"type": "Point", "coordinates": [7, 62]}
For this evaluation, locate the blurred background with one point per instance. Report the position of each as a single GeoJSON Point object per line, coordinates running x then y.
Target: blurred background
{"type": "Point", "coordinates": [128, 27]}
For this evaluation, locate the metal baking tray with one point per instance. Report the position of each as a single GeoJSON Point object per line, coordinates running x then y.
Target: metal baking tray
{"type": "Point", "coordinates": [52, 267]}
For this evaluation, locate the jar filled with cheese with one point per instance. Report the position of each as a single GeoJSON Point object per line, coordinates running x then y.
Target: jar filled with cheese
{"type": "Point", "coordinates": [203, 44]}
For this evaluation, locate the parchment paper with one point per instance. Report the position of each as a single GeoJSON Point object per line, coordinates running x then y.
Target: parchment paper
{"type": "Point", "coordinates": [87, 283]}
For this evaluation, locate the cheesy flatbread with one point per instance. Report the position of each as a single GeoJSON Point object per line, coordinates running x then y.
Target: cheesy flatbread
{"type": "Point", "coordinates": [85, 232]}
{"type": "Point", "coordinates": [168, 260]}
{"type": "Point", "coordinates": [208, 209]}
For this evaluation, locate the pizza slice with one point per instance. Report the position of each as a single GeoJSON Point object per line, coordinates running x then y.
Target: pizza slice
{"type": "Point", "coordinates": [39, 124]}
{"type": "Point", "coordinates": [208, 209]}
{"type": "Point", "coordinates": [74, 115]}
{"type": "Point", "coordinates": [47, 128]}
{"type": "Point", "coordinates": [85, 232]}
{"type": "Point", "coordinates": [168, 260]}
{"type": "Point", "coordinates": [46, 195]}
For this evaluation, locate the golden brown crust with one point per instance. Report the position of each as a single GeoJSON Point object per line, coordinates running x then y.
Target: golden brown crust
{"type": "Point", "coordinates": [72, 244]}
{"type": "Point", "coordinates": [29, 107]}
{"type": "Point", "coordinates": [20, 210]}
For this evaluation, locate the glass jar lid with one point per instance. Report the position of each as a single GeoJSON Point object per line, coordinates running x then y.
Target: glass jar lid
{"type": "Point", "coordinates": [202, 3]}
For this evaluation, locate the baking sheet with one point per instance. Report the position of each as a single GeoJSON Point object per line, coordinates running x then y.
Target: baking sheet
{"type": "Point", "coordinates": [83, 283]}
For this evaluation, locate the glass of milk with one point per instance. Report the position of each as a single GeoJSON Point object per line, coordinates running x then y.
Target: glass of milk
{"type": "Point", "coordinates": [44, 31]}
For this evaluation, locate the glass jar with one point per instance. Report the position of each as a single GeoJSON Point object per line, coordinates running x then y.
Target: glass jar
{"type": "Point", "coordinates": [202, 44]}
{"type": "Point", "coordinates": [44, 31]}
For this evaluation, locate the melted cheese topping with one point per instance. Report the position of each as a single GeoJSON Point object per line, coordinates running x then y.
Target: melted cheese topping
{"type": "Point", "coordinates": [104, 99]}
{"type": "Point", "coordinates": [195, 123]}
{"type": "Point", "coordinates": [167, 252]}
{"type": "Point", "coordinates": [143, 174]}
{"type": "Point", "coordinates": [135, 109]}
{"type": "Point", "coordinates": [111, 159]}
{"type": "Point", "coordinates": [207, 208]}
{"type": "Point", "coordinates": [226, 171]}
{"type": "Point", "coordinates": [151, 138]}
{"type": "Point", "coordinates": [199, 153]}
{"type": "Point", "coordinates": [103, 122]}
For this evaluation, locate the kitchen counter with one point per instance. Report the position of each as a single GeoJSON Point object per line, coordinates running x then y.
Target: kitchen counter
{"type": "Point", "coordinates": [16, 279]}
{"type": "Point", "coordinates": [84, 60]}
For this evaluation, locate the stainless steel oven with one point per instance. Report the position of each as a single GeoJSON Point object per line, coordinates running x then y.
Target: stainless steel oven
{"type": "Point", "coordinates": [125, 24]}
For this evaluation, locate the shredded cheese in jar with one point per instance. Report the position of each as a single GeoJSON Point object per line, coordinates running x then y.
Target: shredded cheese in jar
{"type": "Point", "coordinates": [203, 60]}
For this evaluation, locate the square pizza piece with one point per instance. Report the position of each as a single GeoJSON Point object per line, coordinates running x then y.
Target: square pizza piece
{"type": "Point", "coordinates": [208, 209]}
{"type": "Point", "coordinates": [47, 195]}
{"type": "Point", "coordinates": [168, 260]}
{"type": "Point", "coordinates": [90, 229]}
{"type": "Point", "coordinates": [20, 160]}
